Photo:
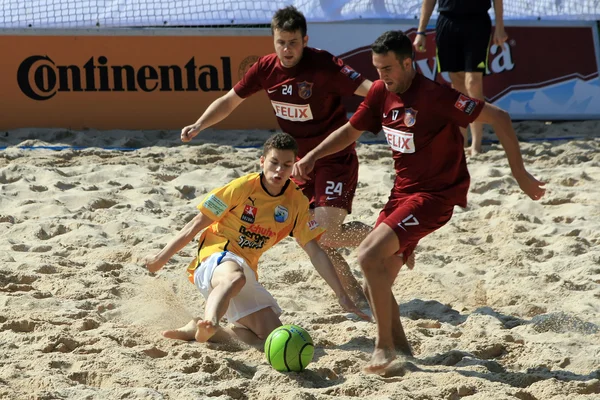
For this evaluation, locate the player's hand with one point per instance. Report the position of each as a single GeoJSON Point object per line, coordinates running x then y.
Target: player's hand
{"type": "Point", "coordinates": [153, 263]}
{"type": "Point", "coordinates": [348, 305]}
{"type": "Point", "coordinates": [500, 36]}
{"type": "Point", "coordinates": [531, 186]}
{"type": "Point", "coordinates": [420, 43]}
{"type": "Point", "coordinates": [189, 132]}
{"type": "Point", "coordinates": [303, 168]}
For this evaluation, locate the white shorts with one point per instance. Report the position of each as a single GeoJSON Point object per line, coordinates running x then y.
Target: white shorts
{"type": "Point", "coordinates": [253, 296]}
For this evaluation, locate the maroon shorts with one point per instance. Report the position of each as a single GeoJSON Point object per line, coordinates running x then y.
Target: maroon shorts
{"type": "Point", "coordinates": [413, 216]}
{"type": "Point", "coordinates": [333, 182]}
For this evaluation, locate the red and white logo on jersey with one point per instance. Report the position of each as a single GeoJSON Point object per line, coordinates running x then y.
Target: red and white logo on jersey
{"type": "Point", "coordinates": [465, 104]}
{"type": "Point", "coordinates": [292, 112]}
{"type": "Point", "coordinates": [403, 142]}
{"type": "Point", "coordinates": [410, 117]}
{"type": "Point", "coordinates": [312, 224]}
{"type": "Point", "coordinates": [305, 89]}
{"type": "Point", "coordinates": [249, 214]}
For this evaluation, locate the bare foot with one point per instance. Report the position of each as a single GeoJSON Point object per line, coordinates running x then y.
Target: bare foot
{"type": "Point", "coordinates": [473, 152]}
{"type": "Point", "coordinates": [380, 360]}
{"type": "Point", "coordinates": [206, 330]}
{"type": "Point", "coordinates": [187, 332]}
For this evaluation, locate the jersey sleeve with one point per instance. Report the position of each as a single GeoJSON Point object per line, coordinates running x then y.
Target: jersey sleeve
{"type": "Point", "coordinates": [306, 228]}
{"type": "Point", "coordinates": [220, 201]}
{"type": "Point", "coordinates": [367, 116]}
{"type": "Point", "coordinates": [457, 107]}
{"type": "Point", "coordinates": [250, 82]}
{"type": "Point", "coordinates": [342, 77]}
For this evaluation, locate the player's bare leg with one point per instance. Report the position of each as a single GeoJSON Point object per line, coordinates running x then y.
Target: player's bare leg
{"type": "Point", "coordinates": [347, 278]}
{"type": "Point", "coordinates": [227, 281]}
{"type": "Point", "coordinates": [338, 234]}
{"type": "Point", "coordinates": [257, 327]}
{"type": "Point", "coordinates": [458, 83]}
{"type": "Point", "coordinates": [373, 253]}
{"type": "Point", "coordinates": [400, 341]}
{"type": "Point", "coordinates": [394, 263]}
{"type": "Point", "coordinates": [248, 337]}
{"type": "Point", "coordinates": [474, 86]}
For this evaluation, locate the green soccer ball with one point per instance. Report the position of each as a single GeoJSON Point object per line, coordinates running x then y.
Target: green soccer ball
{"type": "Point", "coordinates": [289, 348]}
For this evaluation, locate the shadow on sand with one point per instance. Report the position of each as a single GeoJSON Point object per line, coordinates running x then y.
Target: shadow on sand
{"type": "Point", "coordinates": [493, 370]}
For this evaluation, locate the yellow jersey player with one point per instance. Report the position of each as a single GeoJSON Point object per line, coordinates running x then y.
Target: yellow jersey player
{"type": "Point", "coordinates": [305, 86]}
{"type": "Point", "coordinates": [242, 220]}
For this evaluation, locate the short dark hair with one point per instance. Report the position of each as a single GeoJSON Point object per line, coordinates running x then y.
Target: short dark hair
{"type": "Point", "coordinates": [395, 41]}
{"type": "Point", "coordinates": [281, 141]}
{"type": "Point", "coordinates": [288, 19]}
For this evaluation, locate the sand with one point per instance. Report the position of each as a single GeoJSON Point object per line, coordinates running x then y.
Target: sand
{"type": "Point", "coordinates": [504, 302]}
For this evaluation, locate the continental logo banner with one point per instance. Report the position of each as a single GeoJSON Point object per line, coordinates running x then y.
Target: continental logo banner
{"type": "Point", "coordinates": [127, 82]}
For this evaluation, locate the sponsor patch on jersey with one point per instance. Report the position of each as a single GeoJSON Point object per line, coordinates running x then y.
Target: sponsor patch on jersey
{"type": "Point", "coordinates": [215, 205]}
{"type": "Point", "coordinates": [403, 142]}
{"type": "Point", "coordinates": [312, 224]}
{"type": "Point", "coordinates": [249, 214]}
{"type": "Point", "coordinates": [292, 112]}
{"type": "Point", "coordinates": [281, 213]}
{"type": "Point", "coordinates": [254, 236]}
{"type": "Point", "coordinates": [465, 104]}
{"type": "Point", "coordinates": [348, 71]}
{"type": "Point", "coordinates": [305, 89]}
{"type": "Point", "coordinates": [410, 117]}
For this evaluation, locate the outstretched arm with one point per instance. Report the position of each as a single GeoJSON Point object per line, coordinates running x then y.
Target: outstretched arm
{"type": "Point", "coordinates": [322, 264]}
{"type": "Point", "coordinates": [502, 124]}
{"type": "Point", "coordinates": [215, 113]}
{"type": "Point", "coordinates": [338, 140]}
{"type": "Point", "coordinates": [185, 235]}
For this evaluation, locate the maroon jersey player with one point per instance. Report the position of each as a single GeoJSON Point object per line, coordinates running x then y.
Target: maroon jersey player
{"type": "Point", "coordinates": [420, 120]}
{"type": "Point", "coordinates": [305, 86]}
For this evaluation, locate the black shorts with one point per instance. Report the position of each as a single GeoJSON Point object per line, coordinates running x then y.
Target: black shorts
{"type": "Point", "coordinates": [463, 42]}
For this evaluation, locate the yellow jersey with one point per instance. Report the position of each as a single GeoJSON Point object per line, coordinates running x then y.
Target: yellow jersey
{"type": "Point", "coordinates": [248, 221]}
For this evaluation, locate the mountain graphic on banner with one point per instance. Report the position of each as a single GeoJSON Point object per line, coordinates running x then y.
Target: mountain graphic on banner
{"type": "Point", "coordinates": [563, 100]}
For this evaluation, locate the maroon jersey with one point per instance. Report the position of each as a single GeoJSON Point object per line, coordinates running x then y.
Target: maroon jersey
{"type": "Point", "coordinates": [421, 126]}
{"type": "Point", "coordinates": [307, 97]}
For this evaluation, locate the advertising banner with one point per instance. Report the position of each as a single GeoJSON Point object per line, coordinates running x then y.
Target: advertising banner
{"type": "Point", "coordinates": [126, 82]}
{"type": "Point", "coordinates": [541, 72]}
{"type": "Point", "coordinates": [149, 81]}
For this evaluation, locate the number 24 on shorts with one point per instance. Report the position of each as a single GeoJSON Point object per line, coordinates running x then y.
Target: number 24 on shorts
{"type": "Point", "coordinates": [333, 188]}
